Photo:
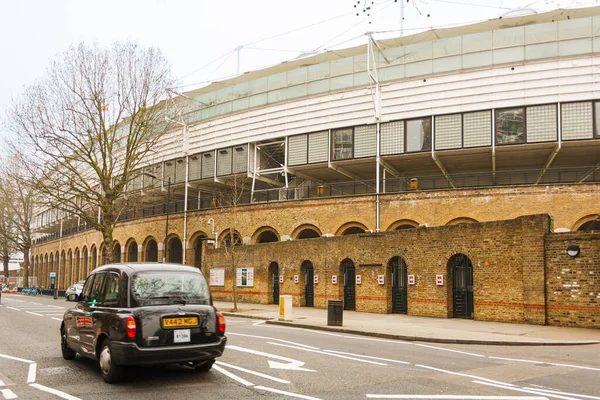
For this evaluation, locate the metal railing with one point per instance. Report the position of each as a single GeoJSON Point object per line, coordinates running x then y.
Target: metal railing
{"type": "Point", "coordinates": [368, 187]}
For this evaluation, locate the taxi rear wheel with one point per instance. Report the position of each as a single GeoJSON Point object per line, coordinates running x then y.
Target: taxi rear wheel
{"type": "Point", "coordinates": [204, 366]}
{"type": "Point", "coordinates": [110, 371]}
{"type": "Point", "coordinates": [67, 352]}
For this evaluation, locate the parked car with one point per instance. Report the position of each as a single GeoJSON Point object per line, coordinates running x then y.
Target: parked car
{"type": "Point", "coordinates": [75, 288]}
{"type": "Point", "coordinates": [143, 314]}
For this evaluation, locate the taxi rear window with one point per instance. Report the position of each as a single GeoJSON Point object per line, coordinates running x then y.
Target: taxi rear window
{"type": "Point", "coordinates": [153, 285]}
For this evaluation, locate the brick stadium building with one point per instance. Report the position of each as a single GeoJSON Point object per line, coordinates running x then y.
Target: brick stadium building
{"type": "Point", "coordinates": [442, 174]}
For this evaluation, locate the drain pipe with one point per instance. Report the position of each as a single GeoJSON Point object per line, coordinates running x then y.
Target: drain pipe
{"type": "Point", "coordinates": [377, 187]}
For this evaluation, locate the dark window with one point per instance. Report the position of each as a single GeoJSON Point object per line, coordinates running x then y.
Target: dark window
{"type": "Point", "coordinates": [162, 285]}
{"type": "Point", "coordinates": [418, 134]}
{"type": "Point", "coordinates": [308, 234]}
{"type": "Point", "coordinates": [353, 231]}
{"type": "Point", "coordinates": [342, 143]}
{"type": "Point", "coordinates": [96, 296]}
{"type": "Point", "coordinates": [510, 126]}
{"type": "Point", "coordinates": [87, 288]}
{"type": "Point", "coordinates": [268, 237]}
{"type": "Point", "coordinates": [112, 290]}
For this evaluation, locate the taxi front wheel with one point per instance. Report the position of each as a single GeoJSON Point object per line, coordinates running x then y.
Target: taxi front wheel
{"type": "Point", "coordinates": [111, 372]}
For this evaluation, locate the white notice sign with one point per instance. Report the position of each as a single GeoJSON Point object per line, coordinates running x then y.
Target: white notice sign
{"type": "Point", "coordinates": [245, 277]}
{"type": "Point", "coordinates": [217, 277]}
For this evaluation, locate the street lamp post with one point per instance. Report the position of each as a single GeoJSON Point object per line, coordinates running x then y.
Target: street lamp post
{"type": "Point", "coordinates": [167, 211]}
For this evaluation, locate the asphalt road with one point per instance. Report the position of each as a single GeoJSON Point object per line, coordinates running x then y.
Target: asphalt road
{"type": "Point", "coordinates": [268, 361]}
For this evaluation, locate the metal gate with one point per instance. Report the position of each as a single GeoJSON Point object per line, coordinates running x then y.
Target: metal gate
{"type": "Point", "coordinates": [462, 286]}
{"type": "Point", "coordinates": [349, 285]}
{"type": "Point", "coordinates": [309, 292]}
{"type": "Point", "coordinates": [274, 267]}
{"type": "Point", "coordinates": [399, 286]}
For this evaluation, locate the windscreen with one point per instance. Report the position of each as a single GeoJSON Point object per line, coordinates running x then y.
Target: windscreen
{"type": "Point", "coordinates": [163, 285]}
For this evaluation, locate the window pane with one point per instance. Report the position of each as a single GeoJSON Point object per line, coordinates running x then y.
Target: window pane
{"type": "Point", "coordinates": [112, 291]}
{"type": "Point", "coordinates": [418, 134]}
{"type": "Point", "coordinates": [169, 285]}
{"type": "Point", "coordinates": [342, 143]}
{"type": "Point", "coordinates": [509, 126]}
{"type": "Point", "coordinates": [96, 296]}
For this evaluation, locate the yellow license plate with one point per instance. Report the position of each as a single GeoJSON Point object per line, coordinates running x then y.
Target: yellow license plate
{"type": "Point", "coordinates": [180, 321]}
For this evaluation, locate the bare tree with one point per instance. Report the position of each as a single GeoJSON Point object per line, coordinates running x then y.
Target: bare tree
{"type": "Point", "coordinates": [228, 199]}
{"type": "Point", "coordinates": [7, 232]}
{"type": "Point", "coordinates": [88, 125]}
{"type": "Point", "coordinates": [17, 193]}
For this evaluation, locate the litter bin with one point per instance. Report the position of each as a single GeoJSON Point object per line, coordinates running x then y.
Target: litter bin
{"type": "Point", "coordinates": [335, 309]}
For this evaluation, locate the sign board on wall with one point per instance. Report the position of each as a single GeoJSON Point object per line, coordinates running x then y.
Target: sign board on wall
{"type": "Point", "coordinates": [381, 279]}
{"type": "Point", "coordinates": [411, 279]}
{"type": "Point", "coordinates": [296, 278]}
{"type": "Point", "coordinates": [316, 279]}
{"type": "Point", "coordinates": [358, 279]}
{"type": "Point", "coordinates": [245, 277]}
{"type": "Point", "coordinates": [439, 280]}
{"type": "Point", "coordinates": [217, 277]}
{"type": "Point", "coordinates": [334, 279]}
{"type": "Point", "coordinates": [280, 278]}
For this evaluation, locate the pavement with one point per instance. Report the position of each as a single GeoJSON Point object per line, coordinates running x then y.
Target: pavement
{"type": "Point", "coordinates": [423, 329]}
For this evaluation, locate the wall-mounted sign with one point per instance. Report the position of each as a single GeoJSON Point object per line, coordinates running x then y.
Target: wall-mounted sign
{"type": "Point", "coordinates": [334, 279]}
{"type": "Point", "coordinates": [280, 278]}
{"type": "Point", "coordinates": [217, 277]}
{"type": "Point", "coordinates": [296, 279]}
{"type": "Point", "coordinates": [381, 279]}
{"type": "Point", "coordinates": [245, 277]}
{"type": "Point", "coordinates": [52, 274]}
{"type": "Point", "coordinates": [439, 280]}
{"type": "Point", "coordinates": [358, 279]}
{"type": "Point", "coordinates": [411, 279]}
{"type": "Point", "coordinates": [316, 279]}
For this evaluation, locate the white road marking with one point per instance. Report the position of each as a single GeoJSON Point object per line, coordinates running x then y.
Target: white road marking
{"type": "Point", "coordinates": [524, 390]}
{"type": "Point", "coordinates": [233, 376]}
{"type": "Point", "coordinates": [258, 323]}
{"type": "Point", "coordinates": [55, 392]}
{"type": "Point", "coordinates": [253, 372]}
{"type": "Point", "coordinates": [329, 354]}
{"type": "Point", "coordinates": [451, 397]}
{"type": "Point", "coordinates": [378, 340]}
{"type": "Point", "coordinates": [322, 333]}
{"type": "Point", "coordinates": [252, 336]}
{"type": "Point", "coordinates": [297, 344]}
{"type": "Point", "coordinates": [370, 357]}
{"type": "Point", "coordinates": [12, 308]}
{"type": "Point", "coordinates": [570, 394]}
{"type": "Point", "coordinates": [453, 351]}
{"type": "Point", "coordinates": [466, 375]}
{"type": "Point", "coordinates": [31, 373]}
{"type": "Point", "coordinates": [2, 383]}
{"type": "Point", "coordinates": [284, 393]}
{"type": "Point", "coordinates": [57, 319]}
{"type": "Point", "coordinates": [17, 359]}
{"type": "Point", "coordinates": [546, 363]}
{"type": "Point", "coordinates": [31, 312]}
{"type": "Point", "coordinates": [291, 363]}
{"type": "Point", "coordinates": [8, 394]}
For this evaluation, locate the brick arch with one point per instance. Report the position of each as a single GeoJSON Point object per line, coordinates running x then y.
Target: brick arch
{"type": "Point", "coordinates": [462, 220]}
{"type": "Point", "coordinates": [402, 222]}
{"type": "Point", "coordinates": [348, 225]}
{"type": "Point", "coordinates": [585, 219]}
{"type": "Point", "coordinates": [145, 243]}
{"type": "Point", "coordinates": [194, 251]}
{"type": "Point", "coordinates": [196, 235]}
{"type": "Point", "coordinates": [128, 243]}
{"type": "Point", "coordinates": [257, 234]}
{"type": "Point", "coordinates": [296, 232]}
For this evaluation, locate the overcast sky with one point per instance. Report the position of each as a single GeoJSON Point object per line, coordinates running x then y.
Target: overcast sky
{"type": "Point", "coordinates": [194, 33]}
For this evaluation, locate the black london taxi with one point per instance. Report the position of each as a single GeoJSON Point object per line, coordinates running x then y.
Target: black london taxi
{"type": "Point", "coordinates": [143, 314]}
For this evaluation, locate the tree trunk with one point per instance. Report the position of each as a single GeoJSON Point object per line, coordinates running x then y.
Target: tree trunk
{"type": "Point", "coordinates": [234, 282]}
{"type": "Point", "coordinates": [25, 269]}
{"type": "Point", "coordinates": [5, 260]}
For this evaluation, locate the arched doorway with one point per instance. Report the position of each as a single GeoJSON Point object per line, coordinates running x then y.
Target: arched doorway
{"type": "Point", "coordinates": [94, 258]}
{"type": "Point", "coordinates": [349, 273]}
{"type": "Point", "coordinates": [309, 287]}
{"type": "Point", "coordinates": [117, 253]}
{"type": "Point", "coordinates": [274, 277]}
{"type": "Point", "coordinates": [461, 270]}
{"type": "Point", "coordinates": [175, 251]}
{"type": "Point", "coordinates": [397, 266]}
{"type": "Point", "coordinates": [132, 252]}
{"type": "Point", "coordinates": [151, 251]}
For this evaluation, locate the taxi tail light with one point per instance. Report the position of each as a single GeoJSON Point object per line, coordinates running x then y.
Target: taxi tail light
{"type": "Point", "coordinates": [221, 323]}
{"type": "Point", "coordinates": [130, 327]}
